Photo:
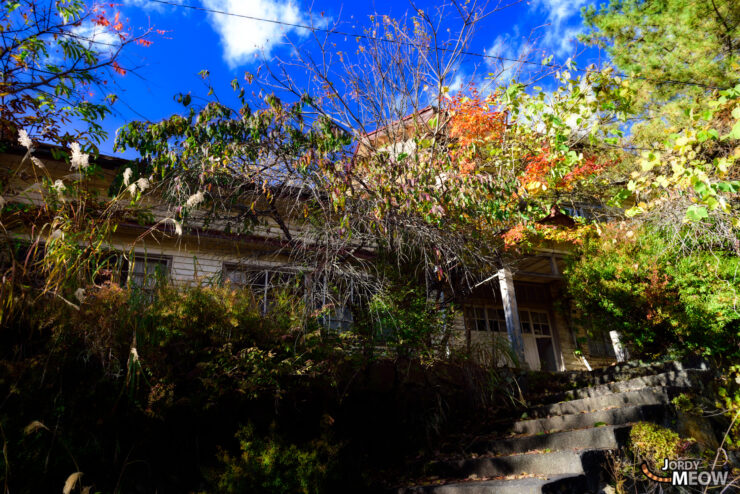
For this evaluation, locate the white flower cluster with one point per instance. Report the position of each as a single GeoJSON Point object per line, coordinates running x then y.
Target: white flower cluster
{"type": "Point", "coordinates": [195, 199]}
{"type": "Point", "coordinates": [127, 176]}
{"type": "Point", "coordinates": [79, 160]}
{"type": "Point", "coordinates": [24, 140]}
{"type": "Point", "coordinates": [178, 226]}
{"type": "Point", "coordinates": [142, 184]}
{"type": "Point", "coordinates": [60, 188]}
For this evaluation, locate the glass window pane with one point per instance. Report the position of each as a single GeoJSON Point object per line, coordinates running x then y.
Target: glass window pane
{"type": "Point", "coordinates": [525, 321]}
{"type": "Point", "coordinates": [147, 271]}
{"type": "Point", "coordinates": [541, 323]}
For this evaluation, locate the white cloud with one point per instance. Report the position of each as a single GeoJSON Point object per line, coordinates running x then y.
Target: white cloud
{"type": "Point", "coordinates": [101, 38]}
{"type": "Point", "coordinates": [561, 10]}
{"type": "Point", "coordinates": [243, 38]}
{"type": "Point", "coordinates": [561, 34]}
{"type": "Point", "coordinates": [149, 5]}
{"type": "Point", "coordinates": [510, 50]}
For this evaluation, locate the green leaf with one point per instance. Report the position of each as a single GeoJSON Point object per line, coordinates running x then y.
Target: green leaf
{"type": "Point", "coordinates": [696, 213]}
{"type": "Point", "coordinates": [711, 203]}
{"type": "Point", "coordinates": [701, 188]}
{"type": "Point", "coordinates": [735, 132]}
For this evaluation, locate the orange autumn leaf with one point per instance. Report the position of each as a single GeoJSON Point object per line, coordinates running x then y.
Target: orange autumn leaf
{"type": "Point", "coordinates": [120, 70]}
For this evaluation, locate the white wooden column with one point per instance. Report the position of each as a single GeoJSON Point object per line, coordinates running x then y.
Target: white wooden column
{"type": "Point", "coordinates": [511, 311]}
{"type": "Point", "coordinates": [619, 349]}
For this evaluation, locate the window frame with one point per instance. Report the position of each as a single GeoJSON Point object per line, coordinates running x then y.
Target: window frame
{"type": "Point", "coordinates": [144, 259]}
{"type": "Point", "coordinates": [267, 271]}
{"type": "Point", "coordinates": [531, 322]}
{"type": "Point", "coordinates": [472, 322]}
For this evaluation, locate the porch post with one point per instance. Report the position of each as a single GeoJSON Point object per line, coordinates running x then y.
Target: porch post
{"type": "Point", "coordinates": [511, 312]}
{"type": "Point", "coordinates": [619, 350]}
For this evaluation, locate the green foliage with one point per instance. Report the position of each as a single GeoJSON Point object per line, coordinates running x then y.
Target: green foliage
{"type": "Point", "coordinates": [402, 316]}
{"type": "Point", "coordinates": [219, 329]}
{"type": "Point", "coordinates": [272, 466]}
{"type": "Point", "coordinates": [55, 73]}
{"type": "Point", "coordinates": [693, 171]}
{"type": "Point", "coordinates": [638, 283]}
{"type": "Point", "coordinates": [170, 374]}
{"type": "Point", "coordinates": [655, 443]}
{"type": "Point", "coordinates": [669, 40]}
{"type": "Point", "coordinates": [729, 402]}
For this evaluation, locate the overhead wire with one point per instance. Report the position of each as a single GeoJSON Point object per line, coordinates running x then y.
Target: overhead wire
{"type": "Point", "coordinates": [402, 42]}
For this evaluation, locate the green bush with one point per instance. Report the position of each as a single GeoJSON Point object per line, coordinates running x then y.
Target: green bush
{"type": "Point", "coordinates": [403, 318]}
{"type": "Point", "coordinates": [139, 389]}
{"type": "Point", "coordinates": [661, 299]}
{"type": "Point", "coordinates": [654, 443]}
{"type": "Point", "coordinates": [272, 466]}
{"type": "Point", "coordinates": [729, 402]}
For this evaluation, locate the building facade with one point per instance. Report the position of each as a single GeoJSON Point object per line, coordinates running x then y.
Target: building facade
{"type": "Point", "coordinates": [518, 314]}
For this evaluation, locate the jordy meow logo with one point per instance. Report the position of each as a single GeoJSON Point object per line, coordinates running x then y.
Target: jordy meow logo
{"type": "Point", "coordinates": [686, 472]}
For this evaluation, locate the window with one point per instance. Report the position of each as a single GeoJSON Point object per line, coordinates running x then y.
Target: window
{"type": "Point", "coordinates": [147, 271]}
{"type": "Point", "coordinates": [262, 282]}
{"type": "Point", "coordinates": [339, 319]}
{"type": "Point", "coordinates": [534, 322]}
{"type": "Point", "coordinates": [600, 343]}
{"type": "Point", "coordinates": [484, 318]}
{"type": "Point", "coordinates": [340, 295]}
{"type": "Point", "coordinates": [111, 267]}
{"type": "Point", "coordinates": [537, 324]}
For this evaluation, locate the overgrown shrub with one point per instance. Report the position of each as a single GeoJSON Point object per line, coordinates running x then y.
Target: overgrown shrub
{"type": "Point", "coordinates": [139, 389]}
{"type": "Point", "coordinates": [270, 465]}
{"type": "Point", "coordinates": [402, 317]}
{"type": "Point", "coordinates": [661, 302]}
{"type": "Point", "coordinates": [654, 443]}
{"type": "Point", "coordinates": [729, 403]}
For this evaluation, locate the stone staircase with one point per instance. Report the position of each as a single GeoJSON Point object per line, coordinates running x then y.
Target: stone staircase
{"type": "Point", "coordinates": [561, 442]}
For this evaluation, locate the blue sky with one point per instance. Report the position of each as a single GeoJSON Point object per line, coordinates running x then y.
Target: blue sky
{"type": "Point", "coordinates": [228, 46]}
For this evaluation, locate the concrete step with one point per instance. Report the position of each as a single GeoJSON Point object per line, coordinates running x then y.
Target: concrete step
{"type": "Point", "coordinates": [604, 437]}
{"type": "Point", "coordinates": [612, 416]}
{"type": "Point", "coordinates": [554, 463]}
{"type": "Point", "coordinates": [691, 378]}
{"type": "Point", "coordinates": [630, 370]}
{"type": "Point", "coordinates": [569, 482]}
{"type": "Point", "coordinates": [647, 396]}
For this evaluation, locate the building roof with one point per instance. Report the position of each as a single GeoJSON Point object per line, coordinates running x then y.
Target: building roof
{"type": "Point", "coordinates": [46, 151]}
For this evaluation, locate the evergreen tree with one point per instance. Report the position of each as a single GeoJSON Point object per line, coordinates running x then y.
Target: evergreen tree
{"type": "Point", "coordinates": [681, 50]}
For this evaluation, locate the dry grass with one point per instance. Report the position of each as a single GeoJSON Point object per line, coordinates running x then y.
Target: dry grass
{"type": "Point", "coordinates": [71, 482]}
{"type": "Point", "coordinates": [33, 427]}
